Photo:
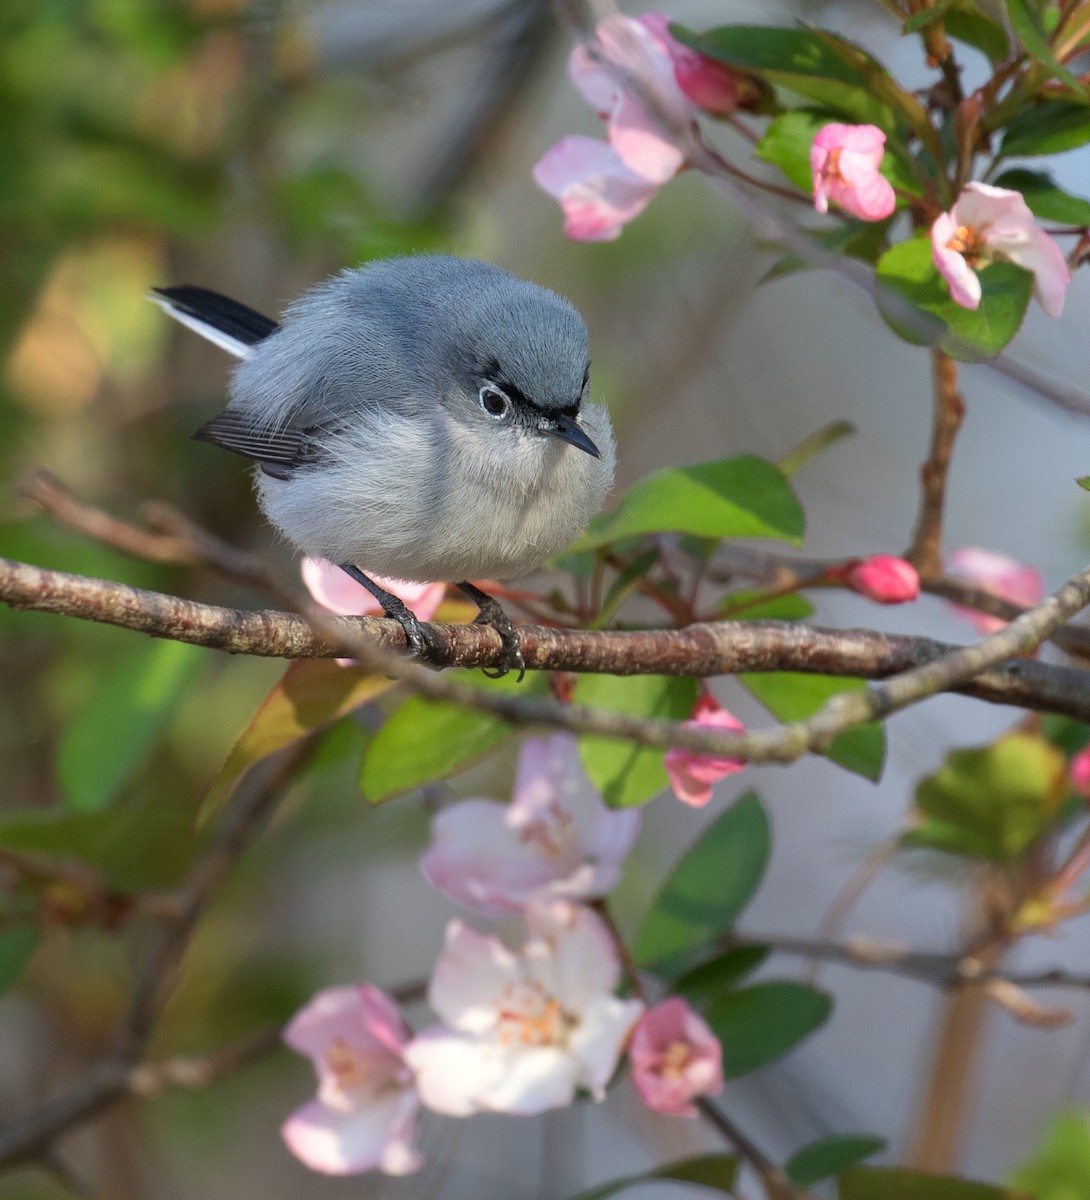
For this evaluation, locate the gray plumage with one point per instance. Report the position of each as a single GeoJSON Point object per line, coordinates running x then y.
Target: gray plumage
{"type": "Point", "coordinates": [370, 413]}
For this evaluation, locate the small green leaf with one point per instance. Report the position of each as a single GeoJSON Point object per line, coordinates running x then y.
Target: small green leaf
{"type": "Point", "coordinates": [310, 695]}
{"type": "Point", "coordinates": [749, 606]}
{"type": "Point", "coordinates": [830, 1156]}
{"type": "Point", "coordinates": [817, 443]}
{"type": "Point", "coordinates": [1046, 200]}
{"type": "Point", "coordinates": [16, 948]}
{"type": "Point", "coordinates": [1050, 128]}
{"type": "Point", "coordinates": [710, 886]}
{"type": "Point", "coordinates": [715, 1171]}
{"type": "Point", "coordinates": [786, 144]}
{"type": "Point", "coordinates": [706, 983]}
{"type": "Point", "coordinates": [759, 1024]}
{"type": "Point", "coordinates": [1032, 34]}
{"type": "Point", "coordinates": [627, 774]}
{"type": "Point", "coordinates": [896, 1183]}
{"type": "Point", "coordinates": [967, 24]}
{"type": "Point", "coordinates": [735, 497]}
{"type": "Point", "coordinates": [423, 741]}
{"type": "Point", "coordinates": [992, 801]}
{"type": "Point", "coordinates": [791, 697]}
{"type": "Point", "coordinates": [1084, 482]}
{"type": "Point", "coordinates": [916, 303]}
{"type": "Point", "coordinates": [1059, 1166]}
{"type": "Point", "coordinates": [119, 725]}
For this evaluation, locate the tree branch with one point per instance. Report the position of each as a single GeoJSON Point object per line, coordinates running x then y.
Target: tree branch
{"type": "Point", "coordinates": [700, 650]}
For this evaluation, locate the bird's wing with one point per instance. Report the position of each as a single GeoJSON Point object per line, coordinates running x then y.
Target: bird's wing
{"type": "Point", "coordinates": [230, 325]}
{"type": "Point", "coordinates": [278, 451]}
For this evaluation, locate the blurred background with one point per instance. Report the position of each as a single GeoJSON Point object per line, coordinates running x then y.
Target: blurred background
{"type": "Point", "coordinates": [255, 148]}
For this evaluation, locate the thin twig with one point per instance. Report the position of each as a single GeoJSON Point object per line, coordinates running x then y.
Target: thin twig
{"type": "Point", "coordinates": [925, 553]}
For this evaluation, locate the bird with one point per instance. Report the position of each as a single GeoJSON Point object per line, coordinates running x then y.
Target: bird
{"type": "Point", "coordinates": [423, 417]}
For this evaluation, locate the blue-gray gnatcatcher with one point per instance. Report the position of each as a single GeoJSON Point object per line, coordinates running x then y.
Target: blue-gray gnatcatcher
{"type": "Point", "coordinates": [424, 417]}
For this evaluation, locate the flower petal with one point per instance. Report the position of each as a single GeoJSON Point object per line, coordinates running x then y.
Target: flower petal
{"type": "Point", "coordinates": [343, 1143]}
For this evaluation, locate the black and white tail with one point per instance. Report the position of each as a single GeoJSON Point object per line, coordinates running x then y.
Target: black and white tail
{"type": "Point", "coordinates": [230, 325]}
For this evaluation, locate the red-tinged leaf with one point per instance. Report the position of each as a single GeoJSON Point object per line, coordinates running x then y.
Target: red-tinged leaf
{"type": "Point", "coordinates": [310, 695]}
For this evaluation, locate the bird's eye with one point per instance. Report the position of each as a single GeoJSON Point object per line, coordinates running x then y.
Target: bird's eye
{"type": "Point", "coordinates": [493, 401]}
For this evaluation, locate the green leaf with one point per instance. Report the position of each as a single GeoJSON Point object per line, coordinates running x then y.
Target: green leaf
{"type": "Point", "coordinates": [748, 606]}
{"type": "Point", "coordinates": [715, 1171]}
{"type": "Point", "coordinates": [896, 1183]}
{"type": "Point", "coordinates": [1027, 24]}
{"type": "Point", "coordinates": [1046, 200]}
{"type": "Point", "coordinates": [627, 774]}
{"type": "Point", "coordinates": [881, 84]}
{"type": "Point", "coordinates": [709, 886]}
{"type": "Point", "coordinates": [704, 984]}
{"type": "Point", "coordinates": [135, 846]}
{"type": "Point", "coordinates": [119, 725]}
{"type": "Point", "coordinates": [310, 695]}
{"type": "Point", "coordinates": [791, 697]}
{"type": "Point", "coordinates": [916, 303]}
{"type": "Point", "coordinates": [735, 497]}
{"type": "Point", "coordinates": [786, 144]}
{"type": "Point", "coordinates": [967, 24]}
{"type": "Point", "coordinates": [817, 443]}
{"type": "Point", "coordinates": [800, 60]}
{"type": "Point", "coordinates": [830, 1156]}
{"type": "Point", "coordinates": [422, 741]}
{"type": "Point", "coordinates": [1084, 482]}
{"type": "Point", "coordinates": [992, 801]}
{"type": "Point", "coordinates": [761, 1023]}
{"type": "Point", "coordinates": [16, 948]}
{"type": "Point", "coordinates": [1059, 1166]}
{"type": "Point", "coordinates": [1049, 128]}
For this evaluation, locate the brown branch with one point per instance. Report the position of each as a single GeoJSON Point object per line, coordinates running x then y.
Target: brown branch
{"type": "Point", "coordinates": [925, 553]}
{"type": "Point", "coordinates": [699, 650]}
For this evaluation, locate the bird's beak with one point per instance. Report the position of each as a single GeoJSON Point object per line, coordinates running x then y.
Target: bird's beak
{"type": "Point", "coordinates": [570, 431]}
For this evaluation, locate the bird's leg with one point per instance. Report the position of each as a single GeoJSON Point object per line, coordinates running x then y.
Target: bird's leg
{"type": "Point", "coordinates": [395, 608]}
{"type": "Point", "coordinates": [492, 614]}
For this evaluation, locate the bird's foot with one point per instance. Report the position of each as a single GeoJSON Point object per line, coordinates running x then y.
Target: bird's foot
{"type": "Point", "coordinates": [416, 637]}
{"type": "Point", "coordinates": [491, 613]}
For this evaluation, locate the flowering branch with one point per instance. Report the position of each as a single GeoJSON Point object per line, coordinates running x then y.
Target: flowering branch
{"type": "Point", "coordinates": [700, 650]}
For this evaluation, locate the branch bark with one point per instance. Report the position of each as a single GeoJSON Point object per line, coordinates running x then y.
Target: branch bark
{"type": "Point", "coordinates": [702, 650]}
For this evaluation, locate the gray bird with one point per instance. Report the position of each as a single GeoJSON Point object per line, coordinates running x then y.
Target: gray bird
{"type": "Point", "coordinates": [424, 418]}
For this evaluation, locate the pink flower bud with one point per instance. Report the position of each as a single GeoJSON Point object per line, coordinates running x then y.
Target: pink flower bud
{"type": "Point", "coordinates": [692, 774]}
{"type": "Point", "coordinates": [674, 1057]}
{"type": "Point", "coordinates": [709, 84]}
{"type": "Point", "coordinates": [883, 578]}
{"type": "Point", "coordinates": [1079, 773]}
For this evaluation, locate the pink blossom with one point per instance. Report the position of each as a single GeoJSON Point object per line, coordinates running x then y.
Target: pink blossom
{"type": "Point", "coordinates": [988, 223]}
{"type": "Point", "coordinates": [598, 194]}
{"type": "Point", "coordinates": [845, 161]}
{"type": "Point", "coordinates": [555, 838]}
{"type": "Point", "coordinates": [674, 1057]}
{"type": "Point", "coordinates": [883, 578]}
{"type": "Point", "coordinates": [602, 187]}
{"type": "Point", "coordinates": [692, 774]}
{"type": "Point", "coordinates": [335, 590]}
{"type": "Point", "coordinates": [523, 1031]}
{"type": "Point", "coordinates": [996, 573]}
{"type": "Point", "coordinates": [1079, 773]}
{"type": "Point", "coordinates": [364, 1114]}
{"type": "Point", "coordinates": [711, 85]}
